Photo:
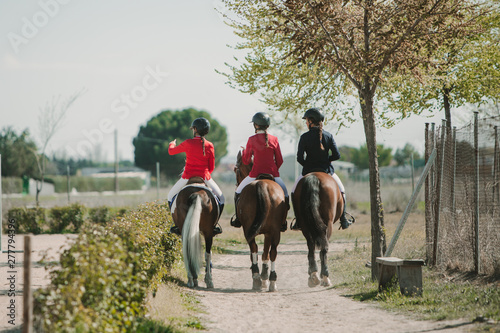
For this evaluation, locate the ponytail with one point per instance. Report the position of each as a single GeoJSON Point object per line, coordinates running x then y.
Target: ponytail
{"type": "Point", "coordinates": [321, 135]}
{"type": "Point", "coordinates": [263, 128]}
{"type": "Point", "coordinates": [203, 144]}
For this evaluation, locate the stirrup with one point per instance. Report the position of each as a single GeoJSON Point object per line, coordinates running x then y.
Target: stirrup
{"type": "Point", "coordinates": [235, 222]}
{"type": "Point", "coordinates": [294, 225]}
{"type": "Point", "coordinates": [217, 229]}
{"type": "Point", "coordinates": [175, 230]}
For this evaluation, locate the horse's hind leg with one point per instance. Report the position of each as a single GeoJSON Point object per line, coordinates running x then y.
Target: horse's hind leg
{"type": "Point", "coordinates": [313, 267]}
{"type": "Point", "coordinates": [257, 280]}
{"type": "Point", "coordinates": [208, 263]}
{"type": "Point", "coordinates": [273, 276]}
{"type": "Point", "coordinates": [325, 280]}
{"type": "Point", "coordinates": [264, 275]}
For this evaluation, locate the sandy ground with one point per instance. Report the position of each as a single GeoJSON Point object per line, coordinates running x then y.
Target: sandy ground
{"type": "Point", "coordinates": [11, 278]}
{"type": "Point", "coordinates": [232, 306]}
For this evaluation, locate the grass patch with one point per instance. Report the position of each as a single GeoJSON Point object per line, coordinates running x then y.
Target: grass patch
{"type": "Point", "coordinates": [446, 296]}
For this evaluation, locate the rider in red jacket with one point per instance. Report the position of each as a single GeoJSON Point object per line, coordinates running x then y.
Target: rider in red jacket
{"type": "Point", "coordinates": [200, 162]}
{"type": "Point", "coordinates": [266, 152]}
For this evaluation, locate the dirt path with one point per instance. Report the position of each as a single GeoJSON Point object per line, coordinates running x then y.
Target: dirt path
{"type": "Point", "coordinates": [233, 307]}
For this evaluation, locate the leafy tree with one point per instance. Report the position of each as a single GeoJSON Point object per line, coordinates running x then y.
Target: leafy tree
{"type": "Point", "coordinates": [151, 143]}
{"type": "Point", "coordinates": [319, 52]}
{"type": "Point", "coordinates": [360, 156]}
{"type": "Point", "coordinates": [347, 153]}
{"type": "Point", "coordinates": [17, 153]}
{"type": "Point", "coordinates": [464, 70]}
{"type": "Point", "coordinates": [403, 155]}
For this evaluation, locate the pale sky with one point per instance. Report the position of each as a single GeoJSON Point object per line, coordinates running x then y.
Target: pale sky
{"type": "Point", "coordinates": [133, 59]}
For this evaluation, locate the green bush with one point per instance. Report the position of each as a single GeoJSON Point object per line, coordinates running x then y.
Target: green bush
{"type": "Point", "coordinates": [12, 185]}
{"type": "Point", "coordinates": [100, 215]}
{"type": "Point", "coordinates": [63, 217]}
{"type": "Point", "coordinates": [93, 184]}
{"type": "Point", "coordinates": [146, 231]}
{"type": "Point", "coordinates": [99, 287]}
{"type": "Point", "coordinates": [104, 277]}
{"type": "Point", "coordinates": [28, 220]}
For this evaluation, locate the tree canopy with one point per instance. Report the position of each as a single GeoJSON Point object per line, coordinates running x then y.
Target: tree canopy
{"type": "Point", "coordinates": [18, 153]}
{"type": "Point", "coordinates": [319, 52]}
{"type": "Point", "coordinates": [151, 143]}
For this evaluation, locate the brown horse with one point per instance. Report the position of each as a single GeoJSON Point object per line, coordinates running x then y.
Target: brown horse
{"type": "Point", "coordinates": [196, 211]}
{"type": "Point", "coordinates": [262, 210]}
{"type": "Point", "coordinates": [317, 203]}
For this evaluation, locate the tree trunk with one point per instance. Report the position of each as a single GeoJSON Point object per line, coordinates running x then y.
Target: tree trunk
{"type": "Point", "coordinates": [376, 207]}
{"type": "Point", "coordinates": [446, 103]}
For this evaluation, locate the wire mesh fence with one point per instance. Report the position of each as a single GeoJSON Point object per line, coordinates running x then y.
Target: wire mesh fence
{"type": "Point", "coordinates": [463, 197]}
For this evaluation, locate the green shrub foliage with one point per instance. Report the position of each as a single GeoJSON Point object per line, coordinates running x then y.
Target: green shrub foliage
{"type": "Point", "coordinates": [99, 287]}
{"type": "Point", "coordinates": [146, 231]}
{"type": "Point", "coordinates": [100, 215]}
{"type": "Point", "coordinates": [63, 217]}
{"type": "Point", "coordinates": [104, 277]}
{"type": "Point", "coordinates": [28, 220]}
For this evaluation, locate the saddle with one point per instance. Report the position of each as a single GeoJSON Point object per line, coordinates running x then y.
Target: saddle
{"type": "Point", "coordinates": [265, 176]}
{"type": "Point", "coordinates": [199, 182]}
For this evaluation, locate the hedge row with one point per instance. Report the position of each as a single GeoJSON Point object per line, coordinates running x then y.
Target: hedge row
{"type": "Point", "coordinates": [56, 220]}
{"type": "Point", "coordinates": [102, 280]}
{"type": "Point", "coordinates": [12, 185]}
{"type": "Point", "coordinates": [93, 184]}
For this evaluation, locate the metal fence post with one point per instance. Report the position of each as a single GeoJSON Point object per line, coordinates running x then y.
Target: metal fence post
{"type": "Point", "coordinates": [477, 267]}
{"type": "Point", "coordinates": [453, 203]}
{"type": "Point", "coordinates": [439, 191]}
{"type": "Point", "coordinates": [158, 180]}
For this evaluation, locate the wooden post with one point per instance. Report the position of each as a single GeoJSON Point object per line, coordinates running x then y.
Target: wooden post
{"type": "Point", "coordinates": [27, 297]}
{"type": "Point", "coordinates": [477, 267]}
{"type": "Point", "coordinates": [68, 185]}
{"type": "Point", "coordinates": [1, 216]}
{"type": "Point", "coordinates": [116, 162]}
{"type": "Point", "coordinates": [412, 174]}
{"type": "Point", "coordinates": [158, 180]}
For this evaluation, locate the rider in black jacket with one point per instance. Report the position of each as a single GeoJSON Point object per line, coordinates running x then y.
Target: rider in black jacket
{"type": "Point", "coordinates": [316, 152]}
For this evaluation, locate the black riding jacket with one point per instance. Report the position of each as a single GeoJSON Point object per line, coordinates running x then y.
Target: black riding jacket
{"type": "Point", "coordinates": [317, 159]}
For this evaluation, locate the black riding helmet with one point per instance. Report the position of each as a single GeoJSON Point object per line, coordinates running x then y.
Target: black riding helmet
{"type": "Point", "coordinates": [202, 126]}
{"type": "Point", "coordinates": [261, 119]}
{"type": "Point", "coordinates": [315, 114]}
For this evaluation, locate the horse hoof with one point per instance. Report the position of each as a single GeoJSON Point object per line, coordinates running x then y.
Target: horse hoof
{"type": "Point", "coordinates": [265, 284]}
{"type": "Point", "coordinates": [273, 287]}
{"type": "Point", "coordinates": [190, 283]}
{"type": "Point", "coordinates": [325, 282]}
{"type": "Point", "coordinates": [257, 284]}
{"type": "Point", "coordinates": [209, 283]}
{"type": "Point", "coordinates": [313, 280]}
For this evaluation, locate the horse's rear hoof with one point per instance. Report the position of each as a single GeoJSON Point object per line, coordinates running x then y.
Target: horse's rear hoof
{"type": "Point", "coordinates": [257, 283]}
{"type": "Point", "coordinates": [192, 283]}
{"type": "Point", "coordinates": [265, 284]}
{"type": "Point", "coordinates": [313, 280]}
{"type": "Point", "coordinates": [273, 287]}
{"type": "Point", "coordinates": [325, 282]}
{"type": "Point", "coordinates": [209, 283]}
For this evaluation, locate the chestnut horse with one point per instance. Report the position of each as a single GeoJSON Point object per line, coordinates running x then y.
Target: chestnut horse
{"type": "Point", "coordinates": [261, 210]}
{"type": "Point", "coordinates": [196, 212]}
{"type": "Point", "coordinates": [317, 203]}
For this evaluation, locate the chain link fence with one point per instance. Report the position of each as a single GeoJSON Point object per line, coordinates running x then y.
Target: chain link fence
{"type": "Point", "coordinates": [462, 195]}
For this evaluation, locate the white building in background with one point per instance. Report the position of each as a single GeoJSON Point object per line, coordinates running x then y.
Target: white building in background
{"type": "Point", "coordinates": [123, 172]}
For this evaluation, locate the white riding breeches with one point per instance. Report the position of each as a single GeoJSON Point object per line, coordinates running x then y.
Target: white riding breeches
{"type": "Point", "coordinates": [334, 176]}
{"type": "Point", "coordinates": [249, 179]}
{"type": "Point", "coordinates": [210, 183]}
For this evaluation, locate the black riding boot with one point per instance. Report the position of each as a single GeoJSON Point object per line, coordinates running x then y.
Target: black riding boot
{"type": "Point", "coordinates": [284, 225]}
{"type": "Point", "coordinates": [217, 227]}
{"type": "Point", "coordinates": [344, 222]}
{"type": "Point", "coordinates": [235, 222]}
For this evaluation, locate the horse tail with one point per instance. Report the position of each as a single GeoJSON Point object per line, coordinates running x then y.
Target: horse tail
{"type": "Point", "coordinates": [310, 200]}
{"type": "Point", "coordinates": [260, 210]}
{"type": "Point", "coordinates": [191, 240]}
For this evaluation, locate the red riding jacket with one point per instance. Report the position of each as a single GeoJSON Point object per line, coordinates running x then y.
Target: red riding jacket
{"type": "Point", "coordinates": [196, 163]}
{"type": "Point", "coordinates": [265, 159]}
